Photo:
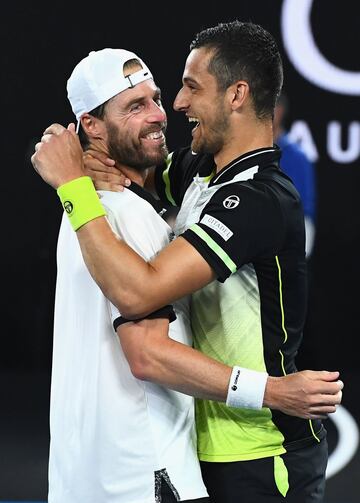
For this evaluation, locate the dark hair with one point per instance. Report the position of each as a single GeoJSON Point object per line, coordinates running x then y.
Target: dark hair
{"type": "Point", "coordinates": [99, 112]}
{"type": "Point", "coordinates": [245, 51]}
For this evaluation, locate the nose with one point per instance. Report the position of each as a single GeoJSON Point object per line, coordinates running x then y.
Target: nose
{"type": "Point", "coordinates": [181, 103]}
{"type": "Point", "coordinates": [157, 113]}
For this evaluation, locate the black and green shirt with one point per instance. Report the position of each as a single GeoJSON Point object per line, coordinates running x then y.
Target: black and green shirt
{"type": "Point", "coordinates": [247, 222]}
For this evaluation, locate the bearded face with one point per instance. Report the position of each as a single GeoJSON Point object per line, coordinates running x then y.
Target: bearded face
{"type": "Point", "coordinates": [210, 132]}
{"type": "Point", "coordinates": [139, 150]}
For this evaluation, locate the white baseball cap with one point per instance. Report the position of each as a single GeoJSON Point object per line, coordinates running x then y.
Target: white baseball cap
{"type": "Point", "coordinates": [99, 77]}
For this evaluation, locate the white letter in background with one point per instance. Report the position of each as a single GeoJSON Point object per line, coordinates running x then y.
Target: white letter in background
{"type": "Point", "coordinates": [306, 57]}
{"type": "Point", "coordinates": [335, 151]}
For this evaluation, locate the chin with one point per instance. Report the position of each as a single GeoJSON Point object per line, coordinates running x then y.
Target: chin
{"type": "Point", "coordinates": [197, 148]}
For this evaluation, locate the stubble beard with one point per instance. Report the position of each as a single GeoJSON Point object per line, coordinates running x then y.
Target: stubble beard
{"type": "Point", "coordinates": [214, 141]}
{"type": "Point", "coordinates": [127, 152]}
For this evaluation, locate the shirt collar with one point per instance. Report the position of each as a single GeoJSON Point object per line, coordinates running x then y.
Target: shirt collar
{"type": "Point", "coordinates": [261, 157]}
{"type": "Point", "coordinates": [144, 194]}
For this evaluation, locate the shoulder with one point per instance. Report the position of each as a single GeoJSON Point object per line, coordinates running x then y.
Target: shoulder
{"type": "Point", "coordinates": [136, 221]}
{"type": "Point", "coordinates": [117, 199]}
{"type": "Point", "coordinates": [127, 209]}
{"type": "Point", "coordinates": [189, 160]}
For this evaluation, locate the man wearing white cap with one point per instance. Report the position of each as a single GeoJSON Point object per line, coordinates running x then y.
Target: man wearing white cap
{"type": "Point", "coordinates": [114, 437]}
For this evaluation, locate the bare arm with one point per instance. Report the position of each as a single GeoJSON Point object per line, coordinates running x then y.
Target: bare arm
{"type": "Point", "coordinates": [154, 356]}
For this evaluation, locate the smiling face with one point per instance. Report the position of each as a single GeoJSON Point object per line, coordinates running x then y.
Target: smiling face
{"type": "Point", "coordinates": [203, 103]}
{"type": "Point", "coordinates": [134, 126]}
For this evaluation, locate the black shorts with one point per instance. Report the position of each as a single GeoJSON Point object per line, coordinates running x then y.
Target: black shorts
{"type": "Point", "coordinates": [167, 496]}
{"type": "Point", "coordinates": [255, 481]}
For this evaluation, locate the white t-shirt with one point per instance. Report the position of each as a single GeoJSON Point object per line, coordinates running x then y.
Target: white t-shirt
{"type": "Point", "coordinates": [113, 437]}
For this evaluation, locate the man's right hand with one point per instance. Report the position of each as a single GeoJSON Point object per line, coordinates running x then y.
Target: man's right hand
{"type": "Point", "coordinates": [103, 172]}
{"type": "Point", "coordinates": [308, 394]}
{"type": "Point", "coordinates": [58, 156]}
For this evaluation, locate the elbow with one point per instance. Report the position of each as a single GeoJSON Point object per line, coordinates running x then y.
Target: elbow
{"type": "Point", "coordinates": [132, 306]}
{"type": "Point", "coordinates": [141, 368]}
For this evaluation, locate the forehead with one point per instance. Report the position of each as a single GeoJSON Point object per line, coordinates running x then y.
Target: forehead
{"type": "Point", "coordinates": [142, 91]}
{"type": "Point", "coordinates": [196, 66]}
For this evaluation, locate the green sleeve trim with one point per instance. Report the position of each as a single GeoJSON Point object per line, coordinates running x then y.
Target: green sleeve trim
{"type": "Point", "coordinates": [281, 475]}
{"type": "Point", "coordinates": [214, 247]}
{"type": "Point", "coordinates": [166, 179]}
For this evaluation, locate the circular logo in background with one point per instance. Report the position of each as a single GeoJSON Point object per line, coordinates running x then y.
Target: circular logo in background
{"type": "Point", "coordinates": [305, 55]}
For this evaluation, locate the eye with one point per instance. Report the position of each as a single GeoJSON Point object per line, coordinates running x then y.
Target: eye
{"type": "Point", "coordinates": [136, 107]}
{"type": "Point", "coordinates": [191, 87]}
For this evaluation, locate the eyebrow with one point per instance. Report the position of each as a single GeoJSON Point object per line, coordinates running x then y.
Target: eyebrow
{"type": "Point", "coordinates": [141, 97]}
{"type": "Point", "coordinates": [190, 80]}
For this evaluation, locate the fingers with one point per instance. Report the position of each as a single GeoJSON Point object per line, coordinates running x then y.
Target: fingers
{"type": "Point", "coordinates": [330, 376]}
{"type": "Point", "coordinates": [324, 375]}
{"type": "Point", "coordinates": [54, 129]}
{"type": "Point", "coordinates": [104, 173]}
{"type": "Point", "coordinates": [46, 137]}
{"type": "Point", "coordinates": [33, 160]}
{"type": "Point", "coordinates": [326, 392]}
{"type": "Point", "coordinates": [325, 401]}
{"type": "Point", "coordinates": [101, 157]}
{"type": "Point", "coordinates": [320, 411]}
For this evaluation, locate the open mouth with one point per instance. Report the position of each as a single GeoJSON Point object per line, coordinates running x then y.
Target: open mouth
{"type": "Point", "coordinates": [155, 138]}
{"type": "Point", "coordinates": [196, 121]}
{"type": "Point", "coordinates": [155, 135]}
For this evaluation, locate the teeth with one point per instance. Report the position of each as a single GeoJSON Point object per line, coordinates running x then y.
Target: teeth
{"type": "Point", "coordinates": [193, 119]}
{"type": "Point", "coordinates": [154, 136]}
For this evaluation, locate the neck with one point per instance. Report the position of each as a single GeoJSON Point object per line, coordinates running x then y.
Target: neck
{"type": "Point", "coordinates": [254, 135]}
{"type": "Point", "coordinates": [138, 177]}
{"type": "Point", "coordinates": [278, 131]}
{"type": "Point", "coordinates": [134, 175]}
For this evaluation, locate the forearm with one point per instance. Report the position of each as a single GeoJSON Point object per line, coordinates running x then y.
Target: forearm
{"type": "Point", "coordinates": [176, 366]}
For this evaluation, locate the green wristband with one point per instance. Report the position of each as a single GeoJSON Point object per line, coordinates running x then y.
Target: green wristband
{"type": "Point", "coordinates": [80, 201]}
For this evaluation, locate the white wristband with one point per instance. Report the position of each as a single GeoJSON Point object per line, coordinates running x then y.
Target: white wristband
{"type": "Point", "coordinates": [246, 388]}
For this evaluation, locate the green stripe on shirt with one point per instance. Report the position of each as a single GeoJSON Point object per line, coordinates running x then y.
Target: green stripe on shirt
{"type": "Point", "coordinates": [214, 247]}
{"type": "Point", "coordinates": [166, 179]}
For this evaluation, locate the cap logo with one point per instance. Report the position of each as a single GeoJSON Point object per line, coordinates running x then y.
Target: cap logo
{"type": "Point", "coordinates": [231, 202]}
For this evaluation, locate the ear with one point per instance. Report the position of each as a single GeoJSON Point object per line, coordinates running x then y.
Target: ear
{"type": "Point", "coordinates": [93, 126]}
{"type": "Point", "coordinates": [239, 93]}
